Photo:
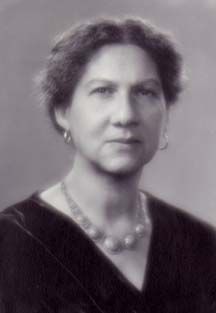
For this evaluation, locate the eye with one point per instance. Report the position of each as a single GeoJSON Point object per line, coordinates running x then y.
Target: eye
{"type": "Point", "coordinates": [104, 91]}
{"type": "Point", "coordinates": [149, 92]}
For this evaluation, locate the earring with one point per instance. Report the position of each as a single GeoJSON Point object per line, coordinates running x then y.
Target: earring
{"type": "Point", "coordinates": [67, 136]}
{"type": "Point", "coordinates": [165, 143]}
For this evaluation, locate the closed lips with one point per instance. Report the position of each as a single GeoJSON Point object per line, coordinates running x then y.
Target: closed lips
{"type": "Point", "coordinates": [126, 140]}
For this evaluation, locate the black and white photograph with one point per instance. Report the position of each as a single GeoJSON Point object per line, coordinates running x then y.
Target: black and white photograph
{"type": "Point", "coordinates": [108, 151]}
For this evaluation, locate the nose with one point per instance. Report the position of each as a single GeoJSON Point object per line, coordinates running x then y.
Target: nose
{"type": "Point", "coordinates": [125, 112]}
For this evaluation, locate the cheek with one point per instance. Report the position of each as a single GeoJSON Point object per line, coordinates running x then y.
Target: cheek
{"type": "Point", "coordinates": [87, 129]}
{"type": "Point", "coordinates": [153, 121]}
{"type": "Point", "coordinates": [152, 132]}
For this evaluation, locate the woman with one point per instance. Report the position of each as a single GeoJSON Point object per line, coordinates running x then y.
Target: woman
{"type": "Point", "coordinates": [94, 242]}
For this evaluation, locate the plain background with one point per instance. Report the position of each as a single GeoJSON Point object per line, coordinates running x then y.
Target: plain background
{"type": "Point", "coordinates": [33, 156]}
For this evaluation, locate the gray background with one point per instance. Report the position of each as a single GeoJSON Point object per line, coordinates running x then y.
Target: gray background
{"type": "Point", "coordinates": [34, 156]}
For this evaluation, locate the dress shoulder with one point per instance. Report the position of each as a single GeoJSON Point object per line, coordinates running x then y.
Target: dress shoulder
{"type": "Point", "coordinates": [190, 245]}
{"type": "Point", "coordinates": [35, 273]}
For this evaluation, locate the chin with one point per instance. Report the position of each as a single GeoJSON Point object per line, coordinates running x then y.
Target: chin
{"type": "Point", "coordinates": [123, 167]}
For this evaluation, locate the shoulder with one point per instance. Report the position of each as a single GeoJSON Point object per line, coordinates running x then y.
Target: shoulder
{"type": "Point", "coordinates": [18, 224]}
{"type": "Point", "coordinates": [21, 215]}
{"type": "Point", "coordinates": [191, 238]}
{"type": "Point", "coordinates": [31, 213]}
{"type": "Point", "coordinates": [178, 219]}
{"type": "Point", "coordinates": [33, 222]}
{"type": "Point", "coordinates": [13, 217]}
{"type": "Point", "coordinates": [32, 254]}
{"type": "Point", "coordinates": [187, 243]}
{"type": "Point", "coordinates": [25, 226]}
{"type": "Point", "coordinates": [184, 251]}
{"type": "Point", "coordinates": [193, 235]}
{"type": "Point", "coordinates": [18, 249]}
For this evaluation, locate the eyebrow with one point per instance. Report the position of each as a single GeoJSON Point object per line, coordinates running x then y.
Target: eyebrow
{"type": "Point", "coordinates": [99, 81]}
{"type": "Point", "coordinates": [154, 81]}
{"type": "Point", "coordinates": [149, 82]}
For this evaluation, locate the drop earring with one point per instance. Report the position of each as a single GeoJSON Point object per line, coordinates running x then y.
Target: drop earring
{"type": "Point", "coordinates": [165, 142]}
{"type": "Point", "coordinates": [67, 136]}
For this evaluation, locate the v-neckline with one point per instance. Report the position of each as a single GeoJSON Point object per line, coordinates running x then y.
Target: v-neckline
{"type": "Point", "coordinates": [98, 254]}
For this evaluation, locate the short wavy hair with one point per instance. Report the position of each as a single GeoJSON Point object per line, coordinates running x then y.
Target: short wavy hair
{"type": "Point", "coordinates": [74, 48]}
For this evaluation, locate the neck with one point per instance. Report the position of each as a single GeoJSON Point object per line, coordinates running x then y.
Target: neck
{"type": "Point", "coordinates": [104, 197]}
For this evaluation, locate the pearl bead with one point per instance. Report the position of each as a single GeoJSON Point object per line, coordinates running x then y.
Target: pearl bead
{"type": "Point", "coordinates": [94, 233]}
{"type": "Point", "coordinates": [85, 223]}
{"type": "Point", "coordinates": [80, 219]}
{"type": "Point", "coordinates": [140, 230]}
{"type": "Point", "coordinates": [111, 244]}
{"type": "Point", "coordinates": [129, 241]}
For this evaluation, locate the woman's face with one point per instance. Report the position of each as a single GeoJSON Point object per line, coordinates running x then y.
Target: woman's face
{"type": "Point", "coordinates": [118, 110]}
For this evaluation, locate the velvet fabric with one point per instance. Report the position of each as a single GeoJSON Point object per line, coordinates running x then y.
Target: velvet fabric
{"type": "Point", "coordinates": [49, 265]}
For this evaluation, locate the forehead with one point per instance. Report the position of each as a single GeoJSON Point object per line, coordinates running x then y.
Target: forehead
{"type": "Point", "coordinates": [120, 62]}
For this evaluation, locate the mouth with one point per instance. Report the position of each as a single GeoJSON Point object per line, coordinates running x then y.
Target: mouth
{"type": "Point", "coordinates": [126, 141]}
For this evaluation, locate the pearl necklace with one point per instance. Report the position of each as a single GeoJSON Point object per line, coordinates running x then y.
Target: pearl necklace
{"type": "Point", "coordinates": [110, 243]}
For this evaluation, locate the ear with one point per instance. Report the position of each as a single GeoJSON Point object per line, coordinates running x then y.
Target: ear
{"type": "Point", "coordinates": [62, 118]}
{"type": "Point", "coordinates": [163, 141]}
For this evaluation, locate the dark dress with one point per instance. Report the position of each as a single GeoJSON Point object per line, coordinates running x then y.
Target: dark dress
{"type": "Point", "coordinates": [48, 264]}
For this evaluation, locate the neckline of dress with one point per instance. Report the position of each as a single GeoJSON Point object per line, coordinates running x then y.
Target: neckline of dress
{"type": "Point", "coordinates": [97, 251]}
